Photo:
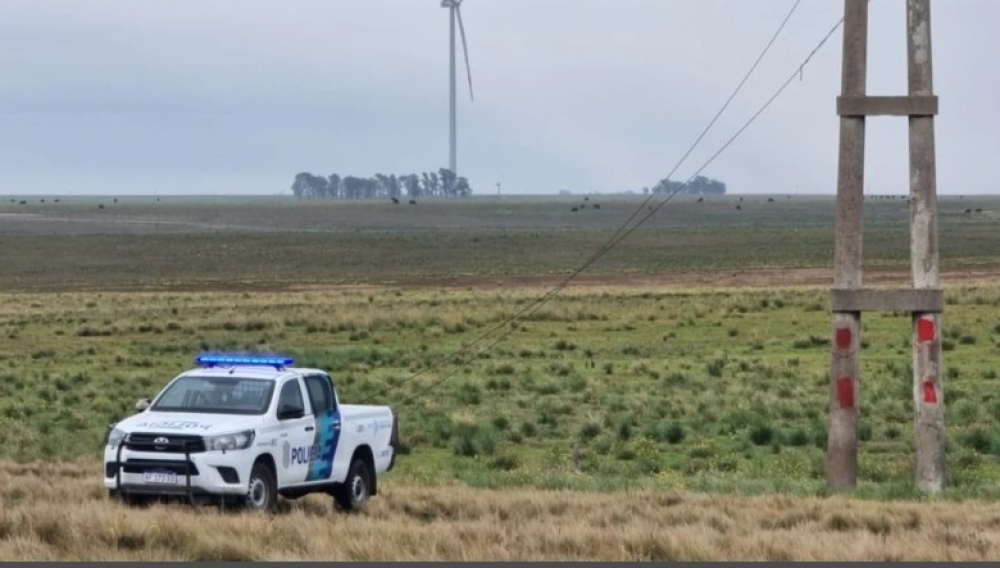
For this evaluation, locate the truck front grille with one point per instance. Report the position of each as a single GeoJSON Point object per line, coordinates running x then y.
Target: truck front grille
{"type": "Point", "coordinates": [175, 444]}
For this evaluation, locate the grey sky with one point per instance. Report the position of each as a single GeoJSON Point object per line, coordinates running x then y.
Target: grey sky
{"type": "Point", "coordinates": [213, 96]}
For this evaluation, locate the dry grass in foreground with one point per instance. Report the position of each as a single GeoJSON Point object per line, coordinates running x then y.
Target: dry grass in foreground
{"type": "Point", "coordinates": [59, 512]}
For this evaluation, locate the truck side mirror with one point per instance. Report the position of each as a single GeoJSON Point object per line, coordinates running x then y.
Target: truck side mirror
{"type": "Point", "coordinates": [142, 404]}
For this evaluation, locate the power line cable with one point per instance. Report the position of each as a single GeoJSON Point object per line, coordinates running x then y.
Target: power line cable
{"type": "Point", "coordinates": [796, 73]}
{"type": "Point", "coordinates": [616, 237]}
{"type": "Point", "coordinates": [711, 159]}
{"type": "Point", "coordinates": [711, 123]}
{"type": "Point", "coordinates": [530, 308]}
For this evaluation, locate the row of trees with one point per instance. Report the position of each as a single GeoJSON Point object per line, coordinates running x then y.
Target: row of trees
{"type": "Point", "coordinates": [700, 185]}
{"type": "Point", "coordinates": [442, 183]}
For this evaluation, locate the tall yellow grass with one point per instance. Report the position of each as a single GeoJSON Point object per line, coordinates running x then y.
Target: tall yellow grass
{"type": "Point", "coordinates": [59, 512]}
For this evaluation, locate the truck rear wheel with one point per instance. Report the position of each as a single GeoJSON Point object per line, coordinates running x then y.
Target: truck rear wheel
{"type": "Point", "coordinates": [354, 492]}
{"type": "Point", "coordinates": [262, 494]}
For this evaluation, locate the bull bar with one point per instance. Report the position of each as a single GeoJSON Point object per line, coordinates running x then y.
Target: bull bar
{"type": "Point", "coordinates": [184, 445]}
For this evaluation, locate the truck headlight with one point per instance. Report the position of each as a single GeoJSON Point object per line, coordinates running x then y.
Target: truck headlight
{"type": "Point", "coordinates": [115, 437]}
{"type": "Point", "coordinates": [237, 441]}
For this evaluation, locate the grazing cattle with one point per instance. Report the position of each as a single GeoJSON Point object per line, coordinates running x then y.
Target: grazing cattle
{"type": "Point", "coordinates": [413, 202]}
{"type": "Point", "coordinates": [396, 201]}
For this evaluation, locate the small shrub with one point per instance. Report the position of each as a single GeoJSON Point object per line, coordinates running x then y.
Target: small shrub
{"type": "Point", "coordinates": [563, 345]}
{"type": "Point", "coordinates": [798, 437]}
{"type": "Point", "coordinates": [646, 456]}
{"type": "Point", "coordinates": [865, 432]}
{"type": "Point", "coordinates": [715, 367]}
{"type": "Point", "coordinates": [762, 434]}
{"type": "Point", "coordinates": [472, 440]}
{"type": "Point", "coordinates": [811, 341]}
{"type": "Point", "coordinates": [528, 429]}
{"type": "Point", "coordinates": [505, 369]}
{"type": "Point", "coordinates": [501, 422]}
{"type": "Point", "coordinates": [469, 394]}
{"type": "Point", "coordinates": [625, 427]}
{"type": "Point", "coordinates": [978, 440]}
{"type": "Point", "coordinates": [505, 461]}
{"type": "Point", "coordinates": [674, 434]}
{"type": "Point", "coordinates": [548, 419]}
{"type": "Point", "coordinates": [892, 433]}
{"type": "Point", "coordinates": [590, 430]}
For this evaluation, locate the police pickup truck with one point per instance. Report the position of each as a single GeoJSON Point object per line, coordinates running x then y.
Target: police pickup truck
{"type": "Point", "coordinates": [248, 429]}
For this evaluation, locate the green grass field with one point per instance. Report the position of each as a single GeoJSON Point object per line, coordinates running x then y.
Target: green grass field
{"type": "Point", "coordinates": [139, 242]}
{"type": "Point", "coordinates": [676, 381]}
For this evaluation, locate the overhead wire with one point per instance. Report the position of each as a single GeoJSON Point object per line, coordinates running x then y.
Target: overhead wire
{"type": "Point", "coordinates": [796, 73]}
{"type": "Point", "coordinates": [618, 236]}
{"type": "Point", "coordinates": [531, 307]}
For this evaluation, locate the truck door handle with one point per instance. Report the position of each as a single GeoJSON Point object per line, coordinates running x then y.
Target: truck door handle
{"type": "Point", "coordinates": [309, 428]}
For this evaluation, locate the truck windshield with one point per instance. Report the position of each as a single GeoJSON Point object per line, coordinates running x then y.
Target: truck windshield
{"type": "Point", "coordinates": [218, 395]}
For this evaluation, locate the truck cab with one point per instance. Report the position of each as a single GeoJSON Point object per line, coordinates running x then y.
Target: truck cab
{"type": "Point", "coordinates": [250, 429]}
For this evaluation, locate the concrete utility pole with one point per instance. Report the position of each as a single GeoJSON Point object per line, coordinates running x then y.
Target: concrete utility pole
{"type": "Point", "coordinates": [927, 388]}
{"type": "Point", "coordinates": [842, 432]}
{"type": "Point", "coordinates": [924, 300]}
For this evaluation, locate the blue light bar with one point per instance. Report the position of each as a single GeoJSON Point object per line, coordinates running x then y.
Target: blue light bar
{"type": "Point", "coordinates": [213, 359]}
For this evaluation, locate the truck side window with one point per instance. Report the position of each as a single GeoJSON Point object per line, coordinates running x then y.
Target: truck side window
{"type": "Point", "coordinates": [320, 393]}
{"type": "Point", "coordinates": [291, 395]}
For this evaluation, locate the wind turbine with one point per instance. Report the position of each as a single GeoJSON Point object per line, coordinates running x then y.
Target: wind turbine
{"type": "Point", "coordinates": [455, 13]}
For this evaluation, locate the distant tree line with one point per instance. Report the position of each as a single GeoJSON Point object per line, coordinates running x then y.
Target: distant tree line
{"type": "Point", "coordinates": [700, 185]}
{"type": "Point", "coordinates": [442, 183]}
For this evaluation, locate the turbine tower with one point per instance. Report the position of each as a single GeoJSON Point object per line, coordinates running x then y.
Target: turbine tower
{"type": "Point", "coordinates": [455, 13]}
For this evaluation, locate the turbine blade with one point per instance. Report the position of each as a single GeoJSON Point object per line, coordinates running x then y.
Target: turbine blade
{"type": "Point", "coordinates": [465, 48]}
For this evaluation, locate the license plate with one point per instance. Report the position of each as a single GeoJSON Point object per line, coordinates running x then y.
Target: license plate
{"type": "Point", "coordinates": [164, 477]}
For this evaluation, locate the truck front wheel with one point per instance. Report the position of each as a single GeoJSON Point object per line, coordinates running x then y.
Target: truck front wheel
{"type": "Point", "coordinates": [355, 490]}
{"type": "Point", "coordinates": [262, 494]}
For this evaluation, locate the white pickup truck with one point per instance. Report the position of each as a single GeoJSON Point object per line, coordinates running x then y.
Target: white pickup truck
{"type": "Point", "coordinates": [248, 429]}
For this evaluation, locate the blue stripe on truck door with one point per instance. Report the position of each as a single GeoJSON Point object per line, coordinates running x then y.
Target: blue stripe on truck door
{"type": "Point", "coordinates": [326, 440]}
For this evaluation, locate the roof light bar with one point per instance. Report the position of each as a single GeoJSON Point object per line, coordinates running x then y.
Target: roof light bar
{"type": "Point", "coordinates": [213, 359]}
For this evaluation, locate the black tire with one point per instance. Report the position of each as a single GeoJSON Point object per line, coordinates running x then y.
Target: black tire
{"type": "Point", "coordinates": [262, 489]}
{"type": "Point", "coordinates": [352, 495]}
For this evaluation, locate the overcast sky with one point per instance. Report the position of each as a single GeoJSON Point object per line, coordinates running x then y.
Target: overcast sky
{"type": "Point", "coordinates": [213, 96]}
